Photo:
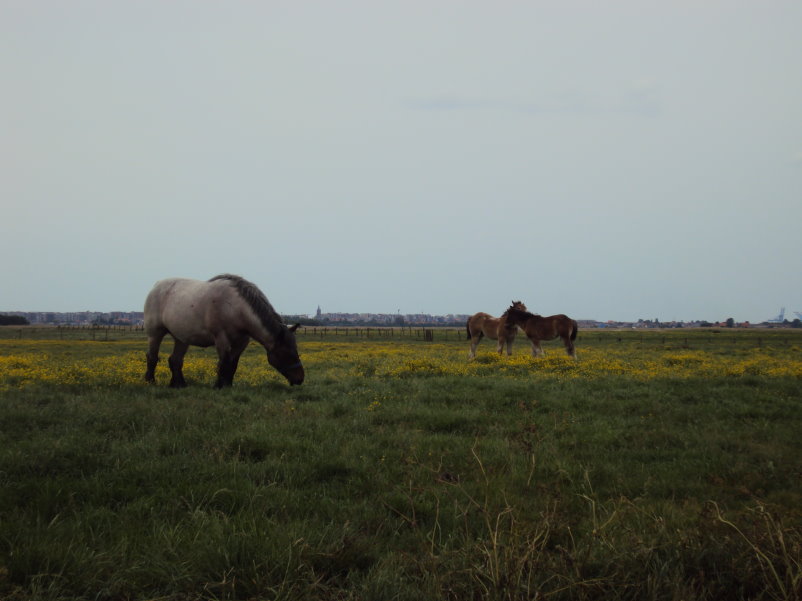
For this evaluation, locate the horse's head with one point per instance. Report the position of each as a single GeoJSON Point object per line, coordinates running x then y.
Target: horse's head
{"type": "Point", "coordinates": [517, 312]}
{"type": "Point", "coordinates": [283, 356]}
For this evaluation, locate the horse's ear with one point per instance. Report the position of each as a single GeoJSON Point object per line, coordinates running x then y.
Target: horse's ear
{"type": "Point", "coordinates": [294, 327]}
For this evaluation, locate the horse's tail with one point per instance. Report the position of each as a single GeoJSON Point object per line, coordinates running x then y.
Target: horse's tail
{"type": "Point", "coordinates": [574, 329]}
{"type": "Point", "coordinates": [468, 327]}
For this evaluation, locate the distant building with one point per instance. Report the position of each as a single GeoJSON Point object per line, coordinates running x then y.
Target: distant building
{"type": "Point", "coordinates": [122, 318]}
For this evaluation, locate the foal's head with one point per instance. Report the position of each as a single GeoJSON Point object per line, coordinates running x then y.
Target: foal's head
{"type": "Point", "coordinates": [284, 355]}
{"type": "Point", "coordinates": [517, 313]}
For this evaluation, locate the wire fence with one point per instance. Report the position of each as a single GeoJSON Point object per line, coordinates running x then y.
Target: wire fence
{"type": "Point", "coordinates": [677, 338]}
{"type": "Point", "coordinates": [409, 332]}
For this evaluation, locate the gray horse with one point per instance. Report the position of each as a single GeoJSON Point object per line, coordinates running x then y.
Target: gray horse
{"type": "Point", "coordinates": [225, 312]}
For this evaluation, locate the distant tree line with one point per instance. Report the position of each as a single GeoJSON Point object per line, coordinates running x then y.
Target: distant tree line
{"type": "Point", "coordinates": [13, 320]}
{"type": "Point", "coordinates": [301, 319]}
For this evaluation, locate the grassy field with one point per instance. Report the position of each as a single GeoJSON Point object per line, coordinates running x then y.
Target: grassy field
{"type": "Point", "coordinates": [660, 465]}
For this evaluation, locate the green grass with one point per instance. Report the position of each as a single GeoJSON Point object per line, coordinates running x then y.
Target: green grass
{"type": "Point", "coordinates": [356, 485]}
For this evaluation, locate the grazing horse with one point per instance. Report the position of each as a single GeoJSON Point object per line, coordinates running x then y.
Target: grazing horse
{"type": "Point", "coordinates": [225, 312]}
{"type": "Point", "coordinates": [495, 328]}
{"type": "Point", "coordinates": [538, 328]}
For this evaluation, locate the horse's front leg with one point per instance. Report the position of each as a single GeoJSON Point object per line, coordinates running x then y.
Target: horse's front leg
{"type": "Point", "coordinates": [500, 344]}
{"type": "Point", "coordinates": [537, 350]}
{"type": "Point", "coordinates": [510, 337]}
{"type": "Point", "coordinates": [176, 363]}
{"type": "Point", "coordinates": [229, 355]}
{"type": "Point", "coordinates": [225, 371]}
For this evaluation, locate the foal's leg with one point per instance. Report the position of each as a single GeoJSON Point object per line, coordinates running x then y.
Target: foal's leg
{"type": "Point", "coordinates": [510, 337]}
{"type": "Point", "coordinates": [176, 363]}
{"type": "Point", "coordinates": [475, 340]}
{"type": "Point", "coordinates": [537, 350]}
{"type": "Point", "coordinates": [154, 342]}
{"type": "Point", "coordinates": [500, 343]}
{"type": "Point", "coordinates": [569, 347]}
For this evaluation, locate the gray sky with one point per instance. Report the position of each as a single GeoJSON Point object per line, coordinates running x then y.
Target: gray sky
{"type": "Point", "coordinates": [616, 160]}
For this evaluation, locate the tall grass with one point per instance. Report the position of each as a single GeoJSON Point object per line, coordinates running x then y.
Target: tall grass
{"type": "Point", "coordinates": [402, 471]}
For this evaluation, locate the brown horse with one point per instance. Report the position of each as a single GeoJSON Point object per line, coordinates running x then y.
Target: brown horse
{"type": "Point", "coordinates": [495, 328]}
{"type": "Point", "coordinates": [225, 312]}
{"type": "Point", "coordinates": [538, 328]}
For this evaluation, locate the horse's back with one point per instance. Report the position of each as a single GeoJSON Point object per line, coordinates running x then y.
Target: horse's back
{"type": "Point", "coordinates": [155, 302]}
{"type": "Point", "coordinates": [181, 306]}
{"type": "Point", "coordinates": [477, 320]}
{"type": "Point", "coordinates": [562, 325]}
{"type": "Point", "coordinates": [479, 317]}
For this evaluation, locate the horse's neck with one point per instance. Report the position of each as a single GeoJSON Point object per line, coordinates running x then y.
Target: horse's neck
{"type": "Point", "coordinates": [262, 323]}
{"type": "Point", "coordinates": [525, 318]}
{"type": "Point", "coordinates": [268, 324]}
{"type": "Point", "coordinates": [266, 330]}
{"type": "Point", "coordinates": [516, 316]}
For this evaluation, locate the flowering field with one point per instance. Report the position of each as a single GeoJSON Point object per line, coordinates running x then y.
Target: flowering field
{"type": "Point", "coordinates": [657, 466]}
{"type": "Point", "coordinates": [30, 362]}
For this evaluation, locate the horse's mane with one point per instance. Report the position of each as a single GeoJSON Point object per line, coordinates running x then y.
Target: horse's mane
{"type": "Point", "coordinates": [519, 314]}
{"type": "Point", "coordinates": [256, 300]}
{"type": "Point", "coordinates": [516, 306]}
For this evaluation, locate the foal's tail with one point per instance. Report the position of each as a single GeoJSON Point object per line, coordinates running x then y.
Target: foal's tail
{"type": "Point", "coordinates": [468, 327]}
{"type": "Point", "coordinates": [574, 329]}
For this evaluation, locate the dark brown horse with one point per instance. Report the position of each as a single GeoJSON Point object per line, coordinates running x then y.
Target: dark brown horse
{"type": "Point", "coordinates": [495, 328]}
{"type": "Point", "coordinates": [225, 312]}
{"type": "Point", "coordinates": [538, 328]}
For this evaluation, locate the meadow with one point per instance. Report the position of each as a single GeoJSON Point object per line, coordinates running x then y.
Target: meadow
{"type": "Point", "coordinates": [660, 465]}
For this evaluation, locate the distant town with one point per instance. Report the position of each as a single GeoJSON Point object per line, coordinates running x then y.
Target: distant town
{"type": "Point", "coordinates": [136, 319]}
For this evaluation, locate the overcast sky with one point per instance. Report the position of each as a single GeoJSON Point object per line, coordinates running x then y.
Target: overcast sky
{"type": "Point", "coordinates": [609, 160]}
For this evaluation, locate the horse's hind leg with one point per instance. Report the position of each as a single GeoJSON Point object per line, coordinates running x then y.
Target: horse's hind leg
{"type": "Point", "coordinates": [176, 363]}
{"type": "Point", "coordinates": [154, 342]}
{"type": "Point", "coordinates": [475, 340]}
{"type": "Point", "coordinates": [569, 347]}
